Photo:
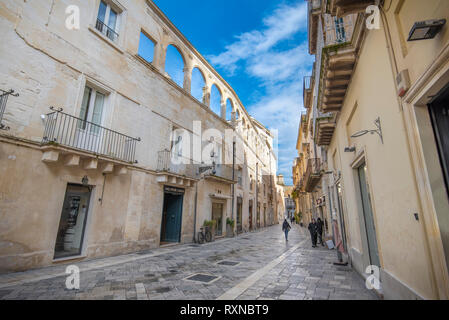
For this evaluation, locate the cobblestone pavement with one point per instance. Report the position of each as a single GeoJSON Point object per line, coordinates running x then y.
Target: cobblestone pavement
{"type": "Point", "coordinates": [268, 268]}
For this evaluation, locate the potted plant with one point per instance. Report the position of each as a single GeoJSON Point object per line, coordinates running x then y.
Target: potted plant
{"type": "Point", "coordinates": [230, 227]}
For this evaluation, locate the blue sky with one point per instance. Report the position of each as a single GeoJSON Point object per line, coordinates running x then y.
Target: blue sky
{"type": "Point", "coordinates": [260, 48]}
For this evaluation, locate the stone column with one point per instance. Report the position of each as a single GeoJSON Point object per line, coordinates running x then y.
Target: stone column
{"type": "Point", "coordinates": [188, 78]}
{"type": "Point", "coordinates": [223, 110]}
{"type": "Point", "coordinates": [206, 95]}
{"type": "Point", "coordinates": [159, 57]}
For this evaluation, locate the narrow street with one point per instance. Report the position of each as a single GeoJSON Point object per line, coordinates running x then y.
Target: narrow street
{"type": "Point", "coordinates": [257, 265]}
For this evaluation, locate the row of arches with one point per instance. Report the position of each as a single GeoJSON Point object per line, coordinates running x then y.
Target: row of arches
{"type": "Point", "coordinates": [173, 64]}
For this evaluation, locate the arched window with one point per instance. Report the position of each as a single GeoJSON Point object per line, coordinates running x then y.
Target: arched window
{"type": "Point", "coordinates": [198, 83]}
{"type": "Point", "coordinates": [146, 47]}
{"type": "Point", "coordinates": [229, 110]}
{"type": "Point", "coordinates": [215, 100]}
{"type": "Point", "coordinates": [174, 65]}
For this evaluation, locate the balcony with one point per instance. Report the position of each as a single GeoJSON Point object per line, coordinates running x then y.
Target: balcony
{"type": "Point", "coordinates": [4, 95]}
{"type": "Point", "coordinates": [343, 38]}
{"type": "Point", "coordinates": [344, 7]}
{"type": "Point", "coordinates": [106, 30]}
{"type": "Point", "coordinates": [304, 123]}
{"type": "Point", "coordinates": [221, 173]}
{"type": "Point", "coordinates": [313, 174]}
{"type": "Point", "coordinates": [68, 135]}
{"type": "Point", "coordinates": [325, 125]}
{"type": "Point", "coordinates": [314, 11]}
{"type": "Point", "coordinates": [175, 170]}
{"type": "Point", "coordinates": [307, 91]}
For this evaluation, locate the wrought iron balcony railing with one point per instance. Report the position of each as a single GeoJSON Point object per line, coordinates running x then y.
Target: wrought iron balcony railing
{"type": "Point", "coordinates": [67, 130]}
{"type": "Point", "coordinates": [170, 162]}
{"type": "Point", "coordinates": [3, 100]}
{"type": "Point", "coordinates": [222, 171]}
{"type": "Point", "coordinates": [313, 174]}
{"type": "Point", "coordinates": [307, 83]}
{"type": "Point", "coordinates": [307, 91]}
{"type": "Point", "coordinates": [106, 30]}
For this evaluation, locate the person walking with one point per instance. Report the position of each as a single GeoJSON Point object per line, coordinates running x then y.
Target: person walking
{"type": "Point", "coordinates": [319, 228]}
{"type": "Point", "coordinates": [313, 232]}
{"type": "Point", "coordinates": [286, 228]}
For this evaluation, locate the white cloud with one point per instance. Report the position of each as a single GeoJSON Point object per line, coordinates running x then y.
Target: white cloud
{"type": "Point", "coordinates": [285, 22]}
{"type": "Point", "coordinates": [279, 70]}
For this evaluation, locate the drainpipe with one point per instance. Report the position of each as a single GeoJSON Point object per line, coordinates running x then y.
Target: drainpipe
{"type": "Point", "coordinates": [257, 192]}
{"type": "Point", "coordinates": [195, 209]}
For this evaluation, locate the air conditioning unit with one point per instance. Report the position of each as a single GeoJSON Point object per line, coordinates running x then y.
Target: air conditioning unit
{"type": "Point", "coordinates": [403, 82]}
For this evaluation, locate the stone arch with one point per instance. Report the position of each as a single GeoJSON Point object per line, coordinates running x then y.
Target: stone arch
{"type": "Point", "coordinates": [216, 99]}
{"type": "Point", "coordinates": [198, 84]}
{"type": "Point", "coordinates": [175, 63]}
{"type": "Point", "coordinates": [147, 46]}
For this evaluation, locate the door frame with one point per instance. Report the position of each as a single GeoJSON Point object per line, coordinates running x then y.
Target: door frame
{"type": "Point", "coordinates": [86, 227]}
{"type": "Point", "coordinates": [427, 170]}
{"type": "Point", "coordinates": [223, 215]}
{"type": "Point", "coordinates": [177, 192]}
{"type": "Point", "coordinates": [359, 161]}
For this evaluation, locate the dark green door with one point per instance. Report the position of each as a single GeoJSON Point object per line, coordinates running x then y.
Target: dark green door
{"type": "Point", "coordinates": [368, 217]}
{"type": "Point", "coordinates": [172, 217]}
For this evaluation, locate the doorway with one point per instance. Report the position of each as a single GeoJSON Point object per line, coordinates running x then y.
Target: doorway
{"type": "Point", "coordinates": [72, 225]}
{"type": "Point", "coordinates": [368, 216]}
{"type": "Point", "coordinates": [250, 209]}
{"type": "Point", "coordinates": [439, 113]}
{"type": "Point", "coordinates": [239, 215]}
{"type": "Point", "coordinates": [172, 215]}
{"type": "Point", "coordinates": [217, 216]}
{"type": "Point", "coordinates": [341, 215]}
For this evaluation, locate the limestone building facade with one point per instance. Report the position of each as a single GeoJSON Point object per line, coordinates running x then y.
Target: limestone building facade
{"type": "Point", "coordinates": [104, 151]}
{"type": "Point", "coordinates": [377, 123]}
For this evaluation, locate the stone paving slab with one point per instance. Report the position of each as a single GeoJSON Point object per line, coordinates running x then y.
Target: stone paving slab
{"type": "Point", "coordinates": [269, 268]}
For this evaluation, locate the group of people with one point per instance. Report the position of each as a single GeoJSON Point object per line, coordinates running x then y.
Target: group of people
{"type": "Point", "coordinates": [315, 228]}
{"type": "Point", "coordinates": [316, 232]}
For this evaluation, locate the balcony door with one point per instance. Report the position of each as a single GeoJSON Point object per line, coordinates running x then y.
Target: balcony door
{"type": "Point", "coordinates": [89, 130]}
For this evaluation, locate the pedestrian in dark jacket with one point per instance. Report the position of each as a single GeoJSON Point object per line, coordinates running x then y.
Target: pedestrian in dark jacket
{"type": "Point", "coordinates": [319, 228]}
{"type": "Point", "coordinates": [286, 228]}
{"type": "Point", "coordinates": [313, 232]}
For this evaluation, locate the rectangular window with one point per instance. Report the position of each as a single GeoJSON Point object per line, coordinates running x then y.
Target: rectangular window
{"type": "Point", "coordinates": [108, 21]}
{"type": "Point", "coordinates": [146, 48]}
{"type": "Point", "coordinates": [340, 30]}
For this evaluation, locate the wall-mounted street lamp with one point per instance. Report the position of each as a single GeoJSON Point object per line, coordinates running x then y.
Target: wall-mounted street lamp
{"type": "Point", "coordinates": [378, 131]}
{"type": "Point", "coordinates": [426, 29]}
